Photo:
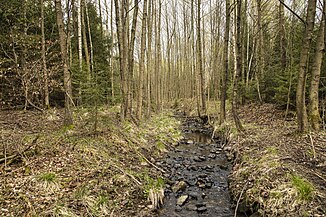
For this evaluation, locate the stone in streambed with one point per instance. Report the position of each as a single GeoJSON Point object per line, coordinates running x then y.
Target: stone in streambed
{"type": "Point", "coordinates": [224, 167]}
{"type": "Point", "coordinates": [202, 209]}
{"type": "Point", "coordinates": [191, 207]}
{"type": "Point", "coordinates": [182, 200]}
{"type": "Point", "coordinates": [194, 195]}
{"type": "Point", "coordinates": [179, 186]}
{"type": "Point", "coordinates": [190, 142]}
{"type": "Point", "coordinates": [212, 156]}
{"type": "Point", "coordinates": [178, 209]}
{"type": "Point", "coordinates": [208, 184]}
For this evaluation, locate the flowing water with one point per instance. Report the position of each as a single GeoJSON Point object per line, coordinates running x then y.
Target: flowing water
{"type": "Point", "coordinates": [197, 174]}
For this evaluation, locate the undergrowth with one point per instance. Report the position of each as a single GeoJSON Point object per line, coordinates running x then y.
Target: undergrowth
{"type": "Point", "coordinates": [82, 172]}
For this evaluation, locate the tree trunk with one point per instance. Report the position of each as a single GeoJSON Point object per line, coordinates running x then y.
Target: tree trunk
{"type": "Point", "coordinates": [142, 62]}
{"type": "Point", "coordinates": [315, 75]}
{"type": "Point", "coordinates": [66, 73]}
{"type": "Point", "coordinates": [79, 36]}
{"type": "Point", "coordinates": [302, 118]}
{"type": "Point", "coordinates": [282, 36]}
{"type": "Point", "coordinates": [259, 47]}
{"type": "Point", "coordinates": [123, 54]}
{"type": "Point", "coordinates": [149, 57]}
{"type": "Point", "coordinates": [226, 62]}
{"type": "Point", "coordinates": [45, 71]}
{"type": "Point", "coordinates": [90, 39]}
{"type": "Point", "coordinates": [200, 62]}
{"type": "Point", "coordinates": [131, 58]}
{"type": "Point", "coordinates": [84, 37]}
{"type": "Point", "coordinates": [238, 66]}
{"type": "Point", "coordinates": [111, 55]}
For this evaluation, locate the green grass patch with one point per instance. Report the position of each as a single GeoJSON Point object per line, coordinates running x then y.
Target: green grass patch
{"type": "Point", "coordinates": [304, 187]}
{"type": "Point", "coordinates": [48, 177]}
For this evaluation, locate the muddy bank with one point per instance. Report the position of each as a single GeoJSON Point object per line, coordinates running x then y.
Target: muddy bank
{"type": "Point", "coordinates": [197, 174]}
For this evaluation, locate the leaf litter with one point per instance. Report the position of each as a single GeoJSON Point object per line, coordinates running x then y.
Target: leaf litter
{"type": "Point", "coordinates": [74, 171]}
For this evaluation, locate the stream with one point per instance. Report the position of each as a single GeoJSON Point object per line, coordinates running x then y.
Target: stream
{"type": "Point", "coordinates": [197, 174]}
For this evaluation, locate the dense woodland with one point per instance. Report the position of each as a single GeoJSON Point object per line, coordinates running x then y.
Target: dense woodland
{"type": "Point", "coordinates": [147, 54]}
{"type": "Point", "coordinates": [109, 107]}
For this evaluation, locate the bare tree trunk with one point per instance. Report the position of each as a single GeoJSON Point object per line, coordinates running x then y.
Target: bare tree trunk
{"type": "Point", "coordinates": [64, 56]}
{"type": "Point", "coordinates": [226, 62]}
{"type": "Point", "coordinates": [259, 47]}
{"type": "Point", "coordinates": [131, 58]}
{"type": "Point", "coordinates": [45, 71]}
{"type": "Point", "coordinates": [25, 82]}
{"type": "Point", "coordinates": [142, 62]}
{"type": "Point", "coordinates": [84, 37]}
{"type": "Point", "coordinates": [158, 59]}
{"type": "Point", "coordinates": [238, 66]}
{"type": "Point", "coordinates": [123, 53]}
{"type": "Point", "coordinates": [89, 38]}
{"type": "Point", "coordinates": [111, 56]}
{"type": "Point", "coordinates": [302, 118]}
{"type": "Point", "coordinates": [315, 75]}
{"type": "Point", "coordinates": [79, 36]}
{"type": "Point", "coordinates": [282, 36]}
{"type": "Point", "coordinates": [149, 57]}
{"type": "Point", "coordinates": [200, 62]}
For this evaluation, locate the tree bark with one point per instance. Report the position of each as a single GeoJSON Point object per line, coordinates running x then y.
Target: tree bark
{"type": "Point", "coordinates": [149, 57]}
{"type": "Point", "coordinates": [45, 71]}
{"type": "Point", "coordinates": [282, 36]}
{"type": "Point", "coordinates": [66, 73]}
{"type": "Point", "coordinates": [79, 36]}
{"type": "Point", "coordinates": [302, 118]}
{"type": "Point", "coordinates": [226, 62]}
{"type": "Point", "coordinates": [259, 47]}
{"type": "Point", "coordinates": [315, 75]}
{"type": "Point", "coordinates": [131, 58]}
{"type": "Point", "coordinates": [89, 38]}
{"type": "Point", "coordinates": [142, 62]}
{"type": "Point", "coordinates": [200, 62]}
{"type": "Point", "coordinates": [123, 54]}
{"type": "Point", "coordinates": [84, 37]}
{"type": "Point", "coordinates": [238, 66]}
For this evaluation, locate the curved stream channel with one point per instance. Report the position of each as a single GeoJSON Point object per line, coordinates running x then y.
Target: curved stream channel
{"type": "Point", "coordinates": [197, 174]}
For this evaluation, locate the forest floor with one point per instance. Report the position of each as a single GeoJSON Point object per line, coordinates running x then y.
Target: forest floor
{"type": "Point", "coordinates": [277, 172]}
{"type": "Point", "coordinates": [48, 170]}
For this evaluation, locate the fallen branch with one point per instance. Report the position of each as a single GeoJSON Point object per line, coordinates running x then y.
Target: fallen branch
{"type": "Point", "coordinates": [148, 161]}
{"type": "Point", "coordinates": [128, 174]}
{"type": "Point", "coordinates": [18, 154]}
{"type": "Point", "coordinates": [312, 144]}
{"type": "Point", "coordinates": [236, 208]}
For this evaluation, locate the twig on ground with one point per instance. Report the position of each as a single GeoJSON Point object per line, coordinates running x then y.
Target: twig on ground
{"type": "Point", "coordinates": [148, 161]}
{"type": "Point", "coordinates": [12, 157]}
{"type": "Point", "coordinates": [128, 174]}
{"type": "Point", "coordinates": [312, 144]}
{"type": "Point", "coordinates": [236, 208]}
{"type": "Point", "coordinates": [317, 174]}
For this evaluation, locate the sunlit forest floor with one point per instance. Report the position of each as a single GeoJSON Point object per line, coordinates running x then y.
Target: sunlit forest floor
{"type": "Point", "coordinates": [48, 170]}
